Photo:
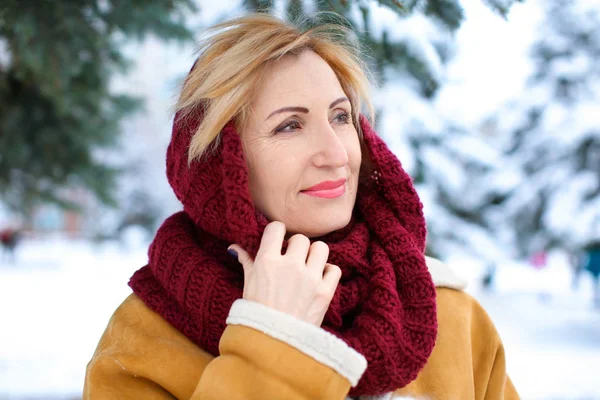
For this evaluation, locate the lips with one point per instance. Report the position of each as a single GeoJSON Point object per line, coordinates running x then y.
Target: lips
{"type": "Point", "coordinates": [327, 189]}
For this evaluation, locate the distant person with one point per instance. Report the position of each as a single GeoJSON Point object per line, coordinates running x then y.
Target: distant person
{"type": "Point", "coordinates": [9, 240]}
{"type": "Point", "coordinates": [592, 265]}
{"type": "Point", "coordinates": [488, 279]}
{"type": "Point", "coordinates": [539, 261]}
{"type": "Point", "coordinates": [297, 268]}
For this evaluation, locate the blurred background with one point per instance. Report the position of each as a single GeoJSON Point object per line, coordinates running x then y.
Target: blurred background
{"type": "Point", "coordinates": [493, 106]}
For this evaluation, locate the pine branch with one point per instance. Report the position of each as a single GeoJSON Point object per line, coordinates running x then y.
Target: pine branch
{"type": "Point", "coordinates": [501, 7]}
{"type": "Point", "coordinates": [448, 12]}
{"type": "Point", "coordinates": [397, 6]}
{"type": "Point", "coordinates": [56, 108]}
{"type": "Point", "coordinates": [264, 6]}
{"type": "Point", "coordinates": [294, 10]}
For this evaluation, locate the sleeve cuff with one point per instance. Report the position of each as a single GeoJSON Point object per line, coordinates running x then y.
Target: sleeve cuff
{"type": "Point", "coordinates": [307, 338]}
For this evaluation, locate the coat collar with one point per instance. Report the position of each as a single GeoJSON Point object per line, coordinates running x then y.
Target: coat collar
{"type": "Point", "coordinates": [444, 276]}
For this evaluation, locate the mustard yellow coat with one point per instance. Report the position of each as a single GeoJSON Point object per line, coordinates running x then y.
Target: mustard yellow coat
{"type": "Point", "coordinates": [141, 356]}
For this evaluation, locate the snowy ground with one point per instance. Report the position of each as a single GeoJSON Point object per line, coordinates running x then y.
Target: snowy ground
{"type": "Point", "coordinates": [56, 300]}
{"type": "Point", "coordinates": [551, 334]}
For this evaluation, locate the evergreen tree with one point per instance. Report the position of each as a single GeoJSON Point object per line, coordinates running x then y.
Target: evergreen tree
{"type": "Point", "coordinates": [550, 135]}
{"type": "Point", "coordinates": [58, 115]}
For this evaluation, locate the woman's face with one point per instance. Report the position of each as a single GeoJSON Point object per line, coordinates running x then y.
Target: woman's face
{"type": "Point", "coordinates": [302, 149]}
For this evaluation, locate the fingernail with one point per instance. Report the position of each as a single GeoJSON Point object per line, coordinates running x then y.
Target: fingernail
{"type": "Point", "coordinates": [232, 253]}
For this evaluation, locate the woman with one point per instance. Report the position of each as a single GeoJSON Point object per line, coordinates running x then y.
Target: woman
{"type": "Point", "coordinates": [296, 269]}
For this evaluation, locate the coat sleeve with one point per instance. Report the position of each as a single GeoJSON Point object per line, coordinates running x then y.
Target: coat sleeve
{"type": "Point", "coordinates": [264, 354]}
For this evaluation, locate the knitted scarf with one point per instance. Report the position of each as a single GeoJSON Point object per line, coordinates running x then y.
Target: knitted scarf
{"type": "Point", "coordinates": [384, 306]}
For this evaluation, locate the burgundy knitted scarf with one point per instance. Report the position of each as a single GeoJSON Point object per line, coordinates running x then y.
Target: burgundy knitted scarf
{"type": "Point", "coordinates": [384, 306]}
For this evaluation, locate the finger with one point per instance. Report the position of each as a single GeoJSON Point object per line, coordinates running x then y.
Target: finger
{"type": "Point", "coordinates": [272, 239]}
{"type": "Point", "coordinates": [317, 256]}
{"type": "Point", "coordinates": [297, 248]}
{"type": "Point", "coordinates": [242, 256]}
{"type": "Point", "coordinates": [331, 277]}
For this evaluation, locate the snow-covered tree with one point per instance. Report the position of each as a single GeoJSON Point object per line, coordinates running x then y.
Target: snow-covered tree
{"type": "Point", "coordinates": [550, 136]}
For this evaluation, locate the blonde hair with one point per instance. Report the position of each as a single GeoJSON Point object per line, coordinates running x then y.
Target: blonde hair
{"type": "Point", "coordinates": [233, 58]}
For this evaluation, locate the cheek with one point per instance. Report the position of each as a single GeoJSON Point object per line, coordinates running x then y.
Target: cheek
{"type": "Point", "coordinates": [257, 173]}
{"type": "Point", "coordinates": [271, 173]}
{"type": "Point", "coordinates": [353, 149]}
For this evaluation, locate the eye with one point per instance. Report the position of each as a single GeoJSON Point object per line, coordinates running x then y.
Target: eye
{"type": "Point", "coordinates": [343, 118]}
{"type": "Point", "coordinates": [288, 127]}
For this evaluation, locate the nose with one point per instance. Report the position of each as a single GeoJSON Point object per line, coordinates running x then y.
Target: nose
{"type": "Point", "coordinates": [330, 150]}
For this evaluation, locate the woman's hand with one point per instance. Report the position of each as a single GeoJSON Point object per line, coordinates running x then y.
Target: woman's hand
{"type": "Point", "coordinates": [300, 283]}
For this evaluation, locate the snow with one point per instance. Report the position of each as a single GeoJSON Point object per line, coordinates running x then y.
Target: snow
{"type": "Point", "coordinates": [556, 154]}
{"type": "Point", "coordinates": [491, 63]}
{"type": "Point", "coordinates": [57, 299]}
{"type": "Point", "coordinates": [568, 214]}
{"type": "Point", "coordinates": [551, 333]}
{"type": "Point", "coordinates": [418, 32]}
{"type": "Point", "coordinates": [56, 302]}
{"type": "Point", "coordinates": [404, 113]}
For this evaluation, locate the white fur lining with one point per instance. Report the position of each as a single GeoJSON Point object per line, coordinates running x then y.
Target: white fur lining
{"type": "Point", "coordinates": [444, 276]}
{"type": "Point", "coordinates": [387, 396]}
{"type": "Point", "coordinates": [309, 339]}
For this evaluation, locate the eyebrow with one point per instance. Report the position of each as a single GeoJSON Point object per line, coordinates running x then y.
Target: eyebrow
{"type": "Point", "coordinates": [304, 109]}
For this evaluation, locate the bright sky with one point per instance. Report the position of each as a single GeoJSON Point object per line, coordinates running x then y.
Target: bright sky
{"type": "Point", "coordinates": [492, 61]}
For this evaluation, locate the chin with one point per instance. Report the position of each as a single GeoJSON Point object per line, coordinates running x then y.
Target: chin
{"type": "Point", "coordinates": [322, 225]}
